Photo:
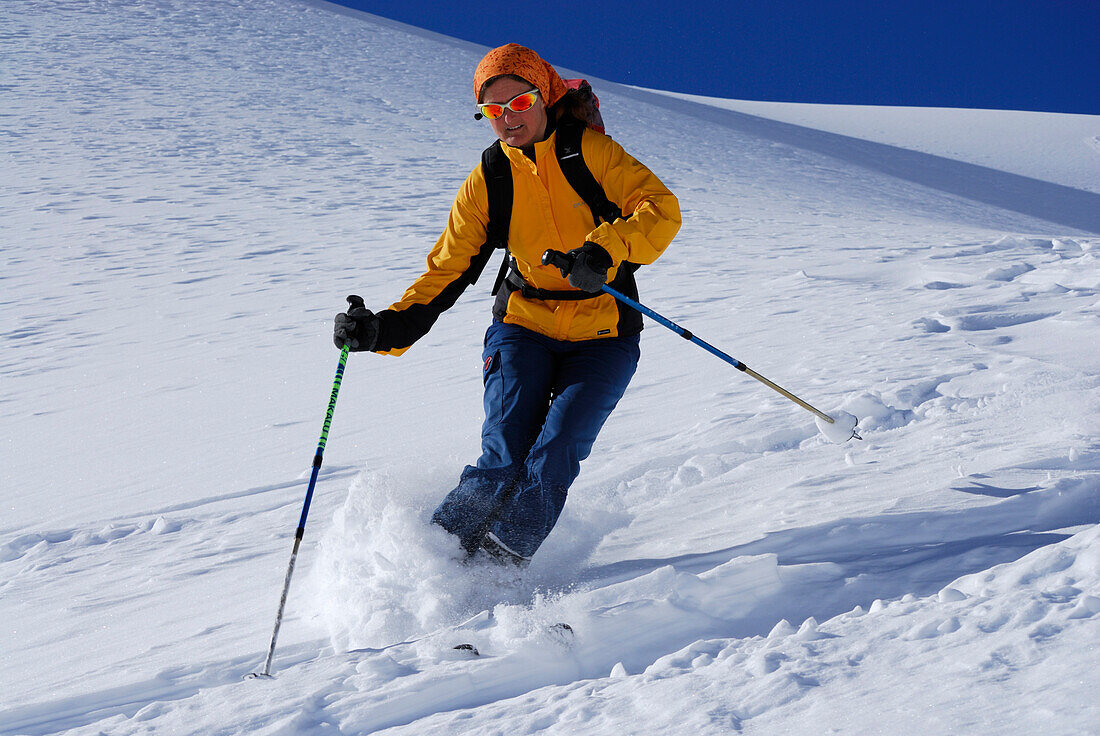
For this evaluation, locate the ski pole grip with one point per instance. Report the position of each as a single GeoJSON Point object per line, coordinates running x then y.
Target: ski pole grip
{"type": "Point", "coordinates": [355, 302]}
{"type": "Point", "coordinates": [559, 260]}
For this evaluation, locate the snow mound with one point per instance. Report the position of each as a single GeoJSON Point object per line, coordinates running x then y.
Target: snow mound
{"type": "Point", "coordinates": [998, 627]}
{"type": "Point", "coordinates": [841, 429]}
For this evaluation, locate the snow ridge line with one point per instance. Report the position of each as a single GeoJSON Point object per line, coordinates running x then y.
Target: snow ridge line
{"type": "Point", "coordinates": [1056, 203]}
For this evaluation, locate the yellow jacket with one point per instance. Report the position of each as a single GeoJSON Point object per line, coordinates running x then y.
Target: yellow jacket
{"type": "Point", "coordinates": [546, 213]}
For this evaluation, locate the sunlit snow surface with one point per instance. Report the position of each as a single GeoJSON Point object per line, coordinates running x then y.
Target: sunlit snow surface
{"type": "Point", "coordinates": [189, 192]}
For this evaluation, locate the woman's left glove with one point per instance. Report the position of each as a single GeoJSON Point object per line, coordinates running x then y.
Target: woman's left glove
{"type": "Point", "coordinates": [358, 329]}
{"type": "Point", "coordinates": [590, 266]}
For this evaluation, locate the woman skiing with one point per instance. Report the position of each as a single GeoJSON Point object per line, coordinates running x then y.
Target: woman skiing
{"type": "Point", "coordinates": [559, 352]}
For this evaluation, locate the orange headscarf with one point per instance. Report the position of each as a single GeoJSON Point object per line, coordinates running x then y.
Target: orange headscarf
{"type": "Point", "coordinates": [521, 62]}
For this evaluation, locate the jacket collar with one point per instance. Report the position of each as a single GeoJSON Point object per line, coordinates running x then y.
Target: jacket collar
{"type": "Point", "coordinates": [538, 150]}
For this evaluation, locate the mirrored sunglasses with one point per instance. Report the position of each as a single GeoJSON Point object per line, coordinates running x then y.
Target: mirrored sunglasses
{"type": "Point", "coordinates": [519, 103]}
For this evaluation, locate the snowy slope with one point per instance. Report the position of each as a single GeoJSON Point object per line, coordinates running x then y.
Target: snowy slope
{"type": "Point", "coordinates": [1054, 147]}
{"type": "Point", "coordinates": [189, 192]}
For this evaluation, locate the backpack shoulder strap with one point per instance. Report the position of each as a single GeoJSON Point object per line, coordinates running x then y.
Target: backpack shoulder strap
{"type": "Point", "coordinates": [577, 173]}
{"type": "Point", "coordinates": [498, 182]}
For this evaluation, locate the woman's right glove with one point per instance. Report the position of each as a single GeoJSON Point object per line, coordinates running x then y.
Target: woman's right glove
{"type": "Point", "coordinates": [358, 329]}
{"type": "Point", "coordinates": [590, 265]}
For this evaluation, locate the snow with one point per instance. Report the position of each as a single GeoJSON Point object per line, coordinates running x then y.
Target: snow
{"type": "Point", "coordinates": [1054, 147]}
{"type": "Point", "coordinates": [188, 195]}
{"type": "Point", "coordinates": [841, 429]}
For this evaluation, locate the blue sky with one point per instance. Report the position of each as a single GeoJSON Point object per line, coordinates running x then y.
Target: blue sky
{"type": "Point", "coordinates": [1006, 54]}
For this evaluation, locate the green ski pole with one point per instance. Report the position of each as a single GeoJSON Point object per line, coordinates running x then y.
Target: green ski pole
{"type": "Point", "coordinates": [354, 301]}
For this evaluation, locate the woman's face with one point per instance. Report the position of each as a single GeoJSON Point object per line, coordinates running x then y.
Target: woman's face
{"type": "Point", "coordinates": [517, 129]}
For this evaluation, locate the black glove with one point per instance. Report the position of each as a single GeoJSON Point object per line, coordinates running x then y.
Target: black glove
{"type": "Point", "coordinates": [590, 264]}
{"type": "Point", "coordinates": [358, 329]}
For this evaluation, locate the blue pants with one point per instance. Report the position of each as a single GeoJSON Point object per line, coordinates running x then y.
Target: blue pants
{"type": "Point", "coordinates": [545, 402]}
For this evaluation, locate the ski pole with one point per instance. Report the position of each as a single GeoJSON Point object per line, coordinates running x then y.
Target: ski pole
{"type": "Point", "coordinates": [564, 263]}
{"type": "Point", "coordinates": [354, 301]}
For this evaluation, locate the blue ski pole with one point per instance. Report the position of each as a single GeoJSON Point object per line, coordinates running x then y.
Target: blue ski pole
{"type": "Point", "coordinates": [564, 263]}
{"type": "Point", "coordinates": [354, 301]}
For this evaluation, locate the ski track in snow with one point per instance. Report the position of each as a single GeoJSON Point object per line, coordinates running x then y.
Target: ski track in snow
{"type": "Point", "coordinates": [193, 192]}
